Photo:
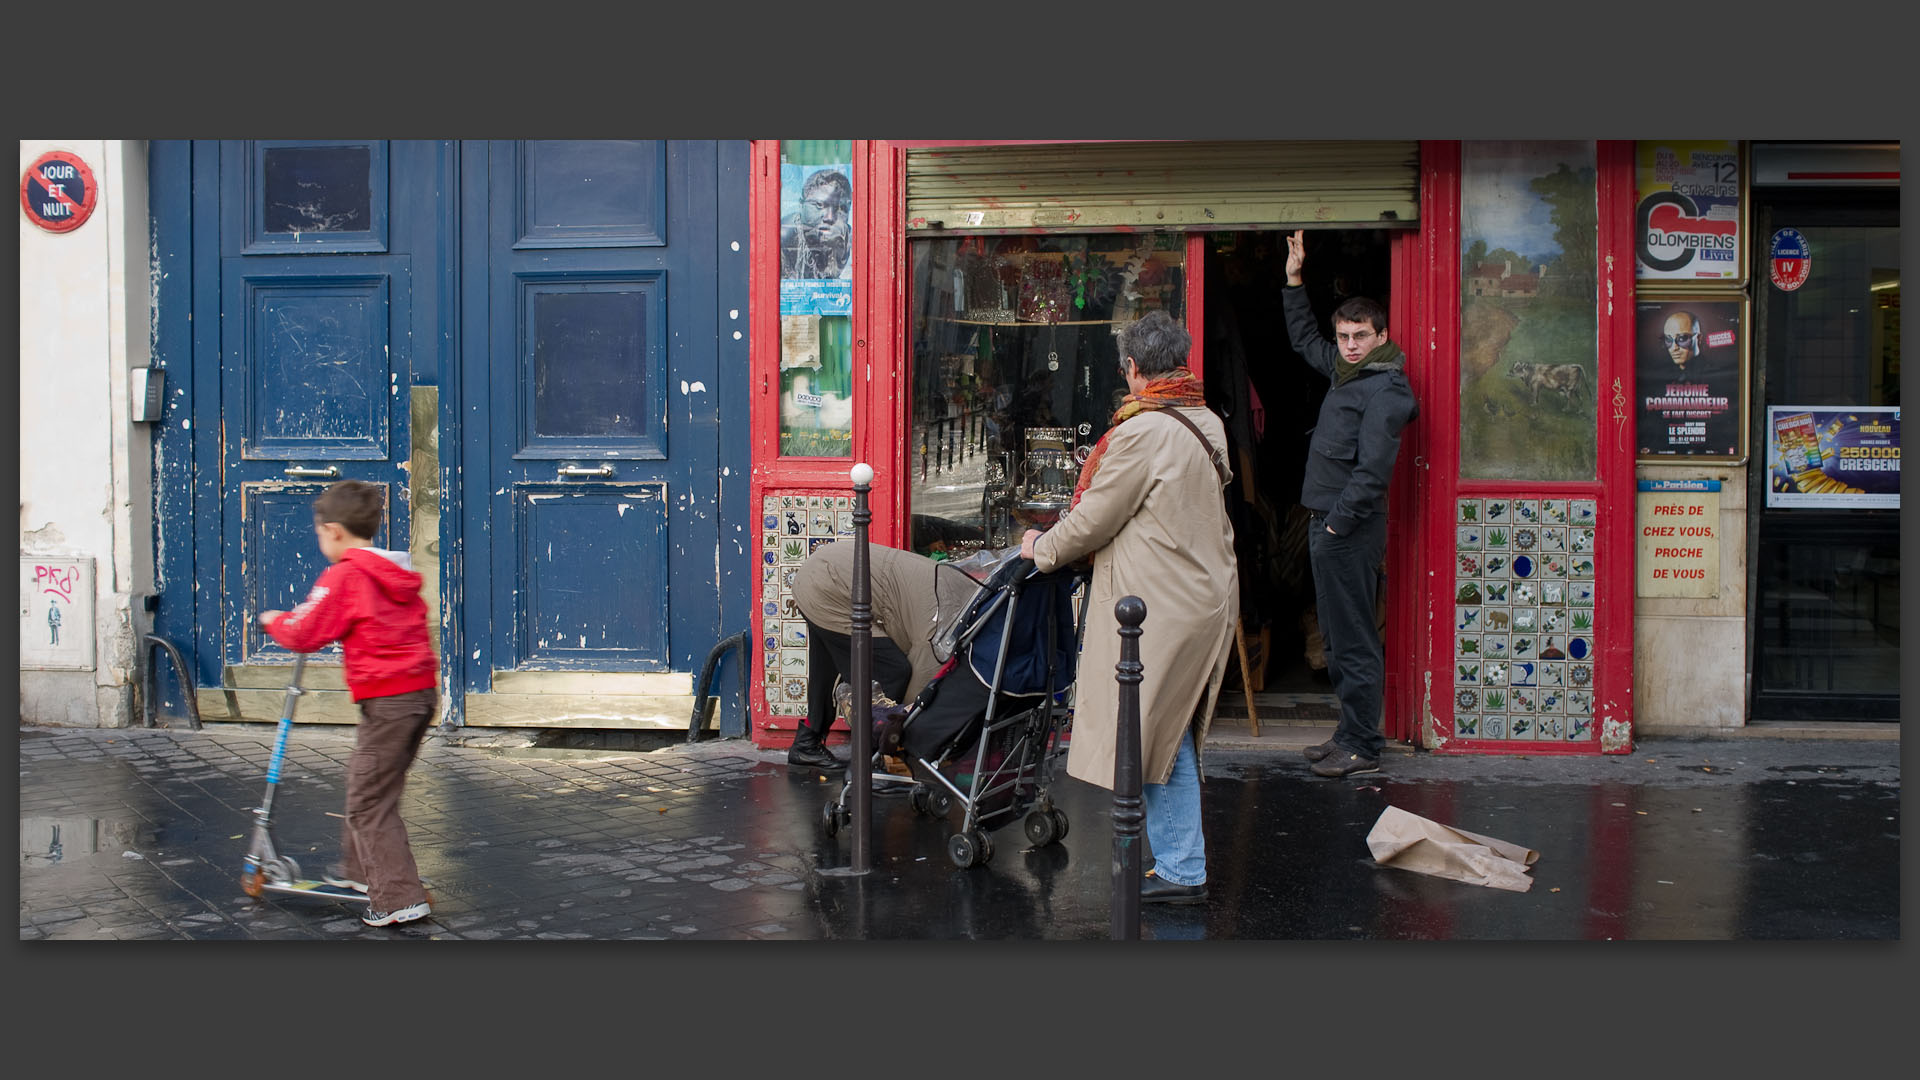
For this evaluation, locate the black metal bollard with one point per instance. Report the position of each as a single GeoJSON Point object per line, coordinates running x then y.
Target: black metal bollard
{"type": "Point", "coordinates": [1127, 813]}
{"type": "Point", "coordinates": [860, 718]}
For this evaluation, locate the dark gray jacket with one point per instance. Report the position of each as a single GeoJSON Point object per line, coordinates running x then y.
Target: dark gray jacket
{"type": "Point", "coordinates": [1358, 434]}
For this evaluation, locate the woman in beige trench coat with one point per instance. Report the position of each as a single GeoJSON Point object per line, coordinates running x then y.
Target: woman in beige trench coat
{"type": "Point", "coordinates": [1150, 512]}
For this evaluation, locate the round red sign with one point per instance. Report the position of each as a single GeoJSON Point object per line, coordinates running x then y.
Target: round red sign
{"type": "Point", "coordinates": [58, 192]}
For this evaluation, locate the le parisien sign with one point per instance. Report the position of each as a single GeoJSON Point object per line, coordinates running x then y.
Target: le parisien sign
{"type": "Point", "coordinates": [1679, 538]}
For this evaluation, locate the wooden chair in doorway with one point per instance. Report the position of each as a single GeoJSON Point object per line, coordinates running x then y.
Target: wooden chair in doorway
{"type": "Point", "coordinates": [1246, 673]}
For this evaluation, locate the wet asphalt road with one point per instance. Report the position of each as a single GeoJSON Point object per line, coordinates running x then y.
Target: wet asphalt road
{"type": "Point", "coordinates": [138, 834]}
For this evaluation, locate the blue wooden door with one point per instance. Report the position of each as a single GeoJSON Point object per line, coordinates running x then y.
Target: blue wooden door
{"type": "Point", "coordinates": [589, 341]}
{"type": "Point", "coordinates": [316, 339]}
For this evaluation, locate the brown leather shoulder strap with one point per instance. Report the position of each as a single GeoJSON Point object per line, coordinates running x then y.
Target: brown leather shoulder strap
{"type": "Point", "coordinates": [1212, 454]}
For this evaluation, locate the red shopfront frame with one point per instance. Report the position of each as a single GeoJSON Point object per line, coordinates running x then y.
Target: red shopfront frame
{"type": "Point", "coordinates": [1425, 294]}
{"type": "Point", "coordinates": [1613, 487]}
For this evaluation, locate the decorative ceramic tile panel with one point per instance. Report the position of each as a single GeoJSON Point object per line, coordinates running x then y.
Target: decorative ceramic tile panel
{"type": "Point", "coordinates": [1524, 636]}
{"type": "Point", "coordinates": [791, 526]}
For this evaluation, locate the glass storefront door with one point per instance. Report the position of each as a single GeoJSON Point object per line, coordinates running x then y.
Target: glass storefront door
{"type": "Point", "coordinates": [1016, 372]}
{"type": "Point", "coordinates": [1826, 618]}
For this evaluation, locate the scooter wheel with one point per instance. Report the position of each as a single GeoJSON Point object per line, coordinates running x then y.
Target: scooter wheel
{"type": "Point", "coordinates": [253, 883]}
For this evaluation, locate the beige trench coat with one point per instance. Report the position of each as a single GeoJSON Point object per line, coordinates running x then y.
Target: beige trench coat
{"type": "Point", "coordinates": [1156, 524]}
{"type": "Point", "coordinates": [911, 600]}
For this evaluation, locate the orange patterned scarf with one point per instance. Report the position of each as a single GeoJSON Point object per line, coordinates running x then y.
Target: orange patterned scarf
{"type": "Point", "coordinates": [1176, 387]}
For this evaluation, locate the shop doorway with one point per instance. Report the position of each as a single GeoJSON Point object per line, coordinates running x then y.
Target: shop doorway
{"type": "Point", "coordinates": [1270, 400]}
{"type": "Point", "coordinates": [1826, 545]}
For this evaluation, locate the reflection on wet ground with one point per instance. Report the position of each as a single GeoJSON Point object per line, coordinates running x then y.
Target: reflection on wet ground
{"type": "Point", "coordinates": [139, 834]}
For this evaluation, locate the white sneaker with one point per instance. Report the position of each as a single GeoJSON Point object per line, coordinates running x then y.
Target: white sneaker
{"type": "Point", "coordinates": [405, 914]}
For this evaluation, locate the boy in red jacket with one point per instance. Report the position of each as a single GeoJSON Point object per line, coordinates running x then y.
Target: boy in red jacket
{"type": "Point", "coordinates": [369, 601]}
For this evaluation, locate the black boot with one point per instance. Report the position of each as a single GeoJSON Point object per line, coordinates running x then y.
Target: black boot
{"type": "Point", "coordinates": [807, 750]}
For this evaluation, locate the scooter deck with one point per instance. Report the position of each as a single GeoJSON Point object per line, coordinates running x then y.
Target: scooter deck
{"type": "Point", "coordinates": [318, 890]}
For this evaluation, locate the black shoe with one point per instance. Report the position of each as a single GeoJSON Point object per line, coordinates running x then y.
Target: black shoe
{"type": "Point", "coordinates": [1158, 890]}
{"type": "Point", "coordinates": [1341, 763]}
{"type": "Point", "coordinates": [1315, 753]}
{"type": "Point", "coordinates": [813, 755]}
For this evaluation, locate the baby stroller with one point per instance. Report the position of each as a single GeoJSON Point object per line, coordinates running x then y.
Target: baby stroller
{"type": "Point", "coordinates": [985, 733]}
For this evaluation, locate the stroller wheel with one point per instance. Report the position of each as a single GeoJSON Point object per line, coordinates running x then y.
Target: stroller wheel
{"type": "Point", "coordinates": [1059, 824]}
{"type": "Point", "coordinates": [939, 802]}
{"type": "Point", "coordinates": [830, 818]}
{"type": "Point", "coordinates": [969, 848]}
{"type": "Point", "coordinates": [1042, 828]}
{"type": "Point", "coordinates": [918, 797]}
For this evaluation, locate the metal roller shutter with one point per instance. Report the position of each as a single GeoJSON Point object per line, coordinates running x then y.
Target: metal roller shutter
{"type": "Point", "coordinates": [1187, 185]}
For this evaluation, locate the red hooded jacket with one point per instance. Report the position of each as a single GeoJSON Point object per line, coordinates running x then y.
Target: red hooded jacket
{"type": "Point", "coordinates": [370, 602]}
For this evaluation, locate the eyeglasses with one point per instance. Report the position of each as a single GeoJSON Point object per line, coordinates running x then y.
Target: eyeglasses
{"type": "Point", "coordinates": [1356, 338]}
{"type": "Point", "coordinates": [1679, 339]}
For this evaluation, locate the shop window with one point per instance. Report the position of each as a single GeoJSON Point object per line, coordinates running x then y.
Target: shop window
{"type": "Point", "coordinates": [816, 298]}
{"type": "Point", "coordinates": [1529, 325]}
{"type": "Point", "coordinates": [1015, 372]}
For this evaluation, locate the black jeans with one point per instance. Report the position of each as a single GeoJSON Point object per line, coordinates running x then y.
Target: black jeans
{"type": "Point", "coordinates": [1346, 584]}
{"type": "Point", "coordinates": [830, 655]}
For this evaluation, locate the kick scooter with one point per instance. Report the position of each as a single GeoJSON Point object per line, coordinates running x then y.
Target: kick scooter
{"type": "Point", "coordinates": [266, 870]}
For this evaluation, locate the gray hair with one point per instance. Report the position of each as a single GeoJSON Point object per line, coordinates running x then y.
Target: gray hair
{"type": "Point", "coordinates": [1156, 342]}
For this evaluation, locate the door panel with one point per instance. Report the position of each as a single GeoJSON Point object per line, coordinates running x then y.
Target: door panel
{"type": "Point", "coordinates": [318, 375]}
{"type": "Point", "coordinates": [279, 557]}
{"type": "Point", "coordinates": [316, 334]}
{"type": "Point", "coordinates": [593, 193]}
{"type": "Point", "coordinates": [597, 342]}
{"type": "Point", "coordinates": [596, 571]}
{"type": "Point", "coordinates": [591, 364]}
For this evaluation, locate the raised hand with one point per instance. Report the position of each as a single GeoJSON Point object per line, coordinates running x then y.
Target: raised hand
{"type": "Point", "coordinates": [1296, 255]}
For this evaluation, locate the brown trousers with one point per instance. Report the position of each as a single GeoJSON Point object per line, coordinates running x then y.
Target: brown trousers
{"type": "Point", "coordinates": [374, 840]}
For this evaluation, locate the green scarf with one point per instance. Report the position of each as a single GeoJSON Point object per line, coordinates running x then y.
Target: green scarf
{"type": "Point", "coordinates": [1385, 356]}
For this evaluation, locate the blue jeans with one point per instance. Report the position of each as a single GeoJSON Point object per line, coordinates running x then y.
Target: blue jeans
{"type": "Point", "coordinates": [1173, 821]}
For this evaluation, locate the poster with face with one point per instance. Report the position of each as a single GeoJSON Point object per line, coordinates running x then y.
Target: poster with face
{"type": "Point", "coordinates": [816, 239]}
{"type": "Point", "coordinates": [816, 302]}
{"type": "Point", "coordinates": [1690, 359]}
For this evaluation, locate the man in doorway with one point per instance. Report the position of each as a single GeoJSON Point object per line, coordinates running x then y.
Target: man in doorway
{"type": "Point", "coordinates": [1349, 462]}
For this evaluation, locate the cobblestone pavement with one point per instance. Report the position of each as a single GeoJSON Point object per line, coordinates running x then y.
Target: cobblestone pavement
{"type": "Point", "coordinates": [135, 834]}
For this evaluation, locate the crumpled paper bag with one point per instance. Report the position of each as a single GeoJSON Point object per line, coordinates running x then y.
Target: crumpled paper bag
{"type": "Point", "coordinates": [1411, 842]}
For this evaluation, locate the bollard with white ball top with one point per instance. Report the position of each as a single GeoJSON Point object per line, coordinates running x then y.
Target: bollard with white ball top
{"type": "Point", "coordinates": [860, 714]}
